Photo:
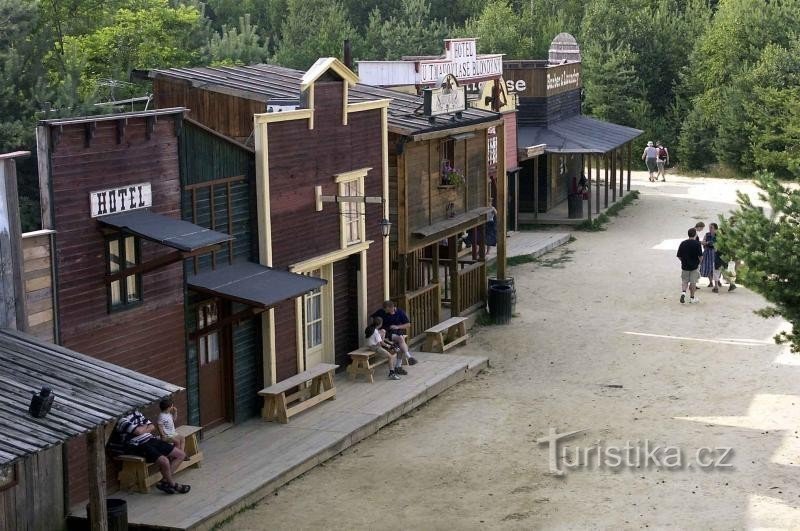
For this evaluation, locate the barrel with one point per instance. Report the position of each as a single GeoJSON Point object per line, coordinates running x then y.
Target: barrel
{"type": "Point", "coordinates": [506, 282]}
{"type": "Point", "coordinates": [500, 302]}
{"type": "Point", "coordinates": [117, 514]}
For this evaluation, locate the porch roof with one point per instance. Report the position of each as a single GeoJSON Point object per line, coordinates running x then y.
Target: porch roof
{"type": "Point", "coordinates": [88, 393]}
{"type": "Point", "coordinates": [175, 233]}
{"type": "Point", "coordinates": [254, 284]}
{"type": "Point", "coordinates": [577, 134]}
{"type": "Point", "coordinates": [445, 225]}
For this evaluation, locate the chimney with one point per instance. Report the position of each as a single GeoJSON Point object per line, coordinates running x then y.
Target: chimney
{"type": "Point", "coordinates": [348, 54]}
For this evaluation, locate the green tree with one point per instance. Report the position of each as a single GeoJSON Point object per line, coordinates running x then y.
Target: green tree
{"type": "Point", "coordinates": [412, 31]}
{"type": "Point", "coordinates": [768, 242]}
{"type": "Point", "coordinates": [242, 46]}
{"type": "Point", "coordinates": [612, 88]}
{"type": "Point", "coordinates": [312, 29]}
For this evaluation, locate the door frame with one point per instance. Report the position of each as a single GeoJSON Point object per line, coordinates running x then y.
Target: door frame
{"type": "Point", "coordinates": [225, 344]}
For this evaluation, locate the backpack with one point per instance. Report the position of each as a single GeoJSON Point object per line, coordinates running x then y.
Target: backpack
{"type": "Point", "coordinates": [662, 153]}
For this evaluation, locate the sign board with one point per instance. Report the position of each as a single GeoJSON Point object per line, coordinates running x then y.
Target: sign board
{"type": "Point", "coordinates": [122, 199]}
{"type": "Point", "coordinates": [564, 78]}
{"type": "Point", "coordinates": [447, 98]}
{"type": "Point", "coordinates": [461, 61]}
{"type": "Point", "coordinates": [538, 79]}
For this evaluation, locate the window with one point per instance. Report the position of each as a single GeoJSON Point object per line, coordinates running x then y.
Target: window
{"type": "Point", "coordinates": [313, 315]}
{"type": "Point", "coordinates": [492, 147]}
{"type": "Point", "coordinates": [123, 254]}
{"type": "Point", "coordinates": [207, 344]}
{"type": "Point", "coordinates": [447, 151]}
{"type": "Point", "coordinates": [351, 224]}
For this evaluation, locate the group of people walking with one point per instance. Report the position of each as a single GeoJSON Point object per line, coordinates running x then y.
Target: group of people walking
{"type": "Point", "coordinates": [657, 159]}
{"type": "Point", "coordinates": [700, 259]}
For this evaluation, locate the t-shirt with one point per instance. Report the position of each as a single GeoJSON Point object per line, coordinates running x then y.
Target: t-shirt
{"type": "Point", "coordinates": [167, 423]}
{"type": "Point", "coordinates": [128, 424]}
{"type": "Point", "coordinates": [398, 318]}
{"type": "Point", "coordinates": [650, 152]}
{"type": "Point", "coordinates": [690, 251]}
{"type": "Point", "coordinates": [375, 339]}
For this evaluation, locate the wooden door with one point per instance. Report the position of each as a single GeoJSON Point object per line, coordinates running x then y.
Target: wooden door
{"type": "Point", "coordinates": [213, 355]}
{"type": "Point", "coordinates": [318, 320]}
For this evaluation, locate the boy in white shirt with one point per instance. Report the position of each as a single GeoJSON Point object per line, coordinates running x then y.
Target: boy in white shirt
{"type": "Point", "coordinates": [166, 423]}
{"type": "Point", "coordinates": [377, 342]}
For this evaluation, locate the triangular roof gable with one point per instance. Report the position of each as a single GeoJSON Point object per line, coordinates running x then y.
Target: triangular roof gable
{"type": "Point", "coordinates": [324, 64]}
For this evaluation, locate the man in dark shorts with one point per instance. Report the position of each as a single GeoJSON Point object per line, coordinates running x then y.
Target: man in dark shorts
{"type": "Point", "coordinates": [138, 434]}
{"type": "Point", "coordinates": [690, 253]}
{"type": "Point", "coordinates": [396, 323]}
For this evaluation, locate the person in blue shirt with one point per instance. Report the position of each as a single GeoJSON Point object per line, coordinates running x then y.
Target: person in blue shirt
{"type": "Point", "coordinates": [396, 324]}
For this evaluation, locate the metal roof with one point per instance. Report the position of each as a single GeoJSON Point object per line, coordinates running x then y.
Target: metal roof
{"type": "Point", "coordinates": [175, 233]}
{"type": "Point", "coordinates": [88, 393]}
{"type": "Point", "coordinates": [577, 134]}
{"type": "Point", "coordinates": [56, 122]}
{"type": "Point", "coordinates": [264, 82]}
{"type": "Point", "coordinates": [254, 284]}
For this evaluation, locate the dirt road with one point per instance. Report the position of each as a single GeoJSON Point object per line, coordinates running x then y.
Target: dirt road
{"type": "Point", "coordinates": [600, 344]}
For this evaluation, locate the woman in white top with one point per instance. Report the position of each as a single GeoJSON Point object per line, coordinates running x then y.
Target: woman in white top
{"type": "Point", "coordinates": [650, 157]}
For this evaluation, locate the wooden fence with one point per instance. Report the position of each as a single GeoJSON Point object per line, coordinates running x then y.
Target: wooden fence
{"type": "Point", "coordinates": [38, 270]}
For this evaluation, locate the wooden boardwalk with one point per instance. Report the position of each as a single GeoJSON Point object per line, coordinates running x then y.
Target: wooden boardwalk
{"type": "Point", "coordinates": [533, 243]}
{"type": "Point", "coordinates": [249, 461]}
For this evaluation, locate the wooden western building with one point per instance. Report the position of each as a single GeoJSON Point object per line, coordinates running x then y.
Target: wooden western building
{"type": "Point", "coordinates": [314, 143]}
{"type": "Point", "coordinates": [557, 145]}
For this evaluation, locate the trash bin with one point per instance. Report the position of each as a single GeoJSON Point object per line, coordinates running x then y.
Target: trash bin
{"type": "Point", "coordinates": [500, 302]}
{"type": "Point", "coordinates": [506, 282]}
{"type": "Point", "coordinates": [575, 205]}
{"type": "Point", "coordinates": [117, 514]}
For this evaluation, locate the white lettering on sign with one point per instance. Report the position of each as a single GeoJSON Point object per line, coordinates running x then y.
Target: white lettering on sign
{"type": "Point", "coordinates": [447, 98]}
{"type": "Point", "coordinates": [563, 79]}
{"type": "Point", "coordinates": [462, 61]}
{"type": "Point", "coordinates": [122, 199]}
{"type": "Point", "coordinates": [518, 85]}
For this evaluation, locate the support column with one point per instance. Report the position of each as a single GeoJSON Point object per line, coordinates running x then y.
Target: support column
{"type": "Point", "coordinates": [605, 179]}
{"type": "Point", "coordinates": [455, 296]}
{"type": "Point", "coordinates": [97, 478]}
{"type": "Point", "coordinates": [501, 221]}
{"type": "Point", "coordinates": [402, 274]}
{"type": "Point", "coordinates": [436, 262]}
{"type": "Point", "coordinates": [613, 171]}
{"type": "Point", "coordinates": [536, 187]}
{"type": "Point", "coordinates": [621, 173]}
{"type": "Point", "coordinates": [482, 236]}
{"type": "Point", "coordinates": [589, 189]}
{"type": "Point", "coordinates": [597, 185]}
{"type": "Point", "coordinates": [629, 165]}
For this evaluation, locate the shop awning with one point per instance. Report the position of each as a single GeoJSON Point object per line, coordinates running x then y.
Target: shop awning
{"type": "Point", "coordinates": [577, 134]}
{"type": "Point", "coordinates": [254, 284]}
{"type": "Point", "coordinates": [175, 233]}
{"type": "Point", "coordinates": [450, 223]}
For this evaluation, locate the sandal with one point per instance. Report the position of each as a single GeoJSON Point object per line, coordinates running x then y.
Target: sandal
{"type": "Point", "coordinates": [166, 487]}
{"type": "Point", "coordinates": [181, 489]}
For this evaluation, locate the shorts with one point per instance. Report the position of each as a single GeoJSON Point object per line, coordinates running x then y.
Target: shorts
{"type": "Point", "coordinates": [661, 164]}
{"type": "Point", "coordinates": [690, 276]}
{"type": "Point", "coordinates": [151, 449]}
{"type": "Point", "coordinates": [380, 350]}
{"type": "Point", "coordinates": [651, 165]}
{"type": "Point", "coordinates": [392, 335]}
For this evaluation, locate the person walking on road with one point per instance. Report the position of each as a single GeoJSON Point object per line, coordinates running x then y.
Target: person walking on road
{"type": "Point", "coordinates": [690, 253]}
{"type": "Point", "coordinates": [707, 269]}
{"type": "Point", "coordinates": [662, 161]}
{"type": "Point", "coordinates": [650, 158]}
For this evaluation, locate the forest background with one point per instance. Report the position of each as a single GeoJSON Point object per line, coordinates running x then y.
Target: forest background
{"type": "Point", "coordinates": [717, 81]}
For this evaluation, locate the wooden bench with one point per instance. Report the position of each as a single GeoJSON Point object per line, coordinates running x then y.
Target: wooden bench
{"type": "Point", "coordinates": [138, 475]}
{"type": "Point", "coordinates": [446, 335]}
{"type": "Point", "coordinates": [362, 363]}
{"type": "Point", "coordinates": [278, 406]}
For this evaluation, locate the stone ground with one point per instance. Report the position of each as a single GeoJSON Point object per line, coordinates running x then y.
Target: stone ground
{"type": "Point", "coordinates": [600, 344]}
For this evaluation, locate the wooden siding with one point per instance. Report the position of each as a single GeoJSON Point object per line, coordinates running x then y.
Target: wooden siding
{"type": "Point", "coordinates": [212, 167]}
{"type": "Point", "coordinates": [299, 159]}
{"type": "Point", "coordinates": [535, 73]}
{"type": "Point", "coordinates": [510, 139]}
{"type": "Point", "coordinates": [346, 334]}
{"type": "Point", "coordinates": [229, 115]}
{"type": "Point", "coordinates": [36, 250]}
{"type": "Point", "coordinates": [36, 502]}
{"type": "Point", "coordinates": [148, 338]}
{"type": "Point", "coordinates": [538, 112]}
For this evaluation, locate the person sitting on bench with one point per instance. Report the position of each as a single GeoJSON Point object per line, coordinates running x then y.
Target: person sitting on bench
{"type": "Point", "coordinates": [377, 342]}
{"type": "Point", "coordinates": [396, 324]}
{"type": "Point", "coordinates": [138, 435]}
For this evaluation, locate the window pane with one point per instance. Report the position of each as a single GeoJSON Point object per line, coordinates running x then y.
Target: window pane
{"type": "Point", "coordinates": [116, 293]}
{"type": "Point", "coordinates": [113, 255]}
{"type": "Point", "coordinates": [213, 347]}
{"type": "Point", "coordinates": [201, 351]}
{"type": "Point", "coordinates": [212, 313]}
{"type": "Point", "coordinates": [132, 287]}
{"type": "Point", "coordinates": [130, 251]}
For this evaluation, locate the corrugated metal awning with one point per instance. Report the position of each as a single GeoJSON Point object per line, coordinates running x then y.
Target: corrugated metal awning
{"type": "Point", "coordinates": [254, 284]}
{"type": "Point", "coordinates": [577, 134]}
{"type": "Point", "coordinates": [175, 233]}
{"type": "Point", "coordinates": [88, 393]}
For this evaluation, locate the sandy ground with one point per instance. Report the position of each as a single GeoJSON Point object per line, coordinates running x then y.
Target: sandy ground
{"type": "Point", "coordinates": [600, 344]}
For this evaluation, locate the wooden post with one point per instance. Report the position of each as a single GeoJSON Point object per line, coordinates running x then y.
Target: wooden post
{"type": "Point", "coordinates": [12, 282]}
{"type": "Point", "coordinates": [482, 236]}
{"type": "Point", "coordinates": [605, 179]}
{"type": "Point", "coordinates": [621, 174]}
{"type": "Point", "coordinates": [473, 238]}
{"type": "Point", "coordinates": [613, 171]}
{"type": "Point", "coordinates": [97, 478]}
{"type": "Point", "coordinates": [629, 166]}
{"type": "Point", "coordinates": [455, 296]}
{"type": "Point", "coordinates": [402, 273]}
{"type": "Point", "coordinates": [436, 263]}
{"type": "Point", "coordinates": [597, 185]}
{"type": "Point", "coordinates": [501, 221]}
{"type": "Point", "coordinates": [536, 188]}
{"type": "Point", "coordinates": [589, 189]}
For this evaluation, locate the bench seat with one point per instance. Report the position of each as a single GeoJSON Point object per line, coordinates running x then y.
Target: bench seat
{"type": "Point", "coordinates": [446, 335]}
{"type": "Point", "coordinates": [364, 362]}
{"type": "Point", "coordinates": [279, 406]}
{"type": "Point", "coordinates": [138, 475]}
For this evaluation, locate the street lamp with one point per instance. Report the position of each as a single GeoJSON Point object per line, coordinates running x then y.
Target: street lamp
{"type": "Point", "coordinates": [386, 227]}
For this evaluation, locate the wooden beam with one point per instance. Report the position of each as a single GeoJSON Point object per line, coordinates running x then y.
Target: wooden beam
{"type": "Point", "coordinates": [12, 286]}
{"type": "Point", "coordinates": [501, 221]}
{"type": "Point", "coordinates": [605, 179]}
{"type": "Point", "coordinates": [455, 296]}
{"type": "Point", "coordinates": [597, 185]}
{"type": "Point", "coordinates": [613, 170]}
{"type": "Point", "coordinates": [589, 189]}
{"type": "Point", "coordinates": [629, 166]}
{"type": "Point", "coordinates": [621, 174]}
{"type": "Point", "coordinates": [97, 478]}
{"type": "Point", "coordinates": [536, 188]}
{"type": "Point", "coordinates": [436, 262]}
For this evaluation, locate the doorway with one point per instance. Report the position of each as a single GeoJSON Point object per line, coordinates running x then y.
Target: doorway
{"type": "Point", "coordinates": [214, 365]}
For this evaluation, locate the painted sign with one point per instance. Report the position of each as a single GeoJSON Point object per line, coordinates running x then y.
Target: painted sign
{"type": "Point", "coordinates": [564, 79]}
{"type": "Point", "coordinates": [461, 61]}
{"type": "Point", "coordinates": [538, 79]}
{"type": "Point", "coordinates": [447, 98]}
{"type": "Point", "coordinates": [122, 199]}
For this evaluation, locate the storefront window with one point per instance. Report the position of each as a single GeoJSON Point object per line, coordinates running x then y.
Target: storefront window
{"type": "Point", "coordinates": [351, 213]}
{"type": "Point", "coordinates": [207, 344]}
{"type": "Point", "coordinates": [122, 255]}
{"type": "Point", "coordinates": [313, 315]}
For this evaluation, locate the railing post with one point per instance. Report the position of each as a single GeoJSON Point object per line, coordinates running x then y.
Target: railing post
{"type": "Point", "coordinates": [455, 298]}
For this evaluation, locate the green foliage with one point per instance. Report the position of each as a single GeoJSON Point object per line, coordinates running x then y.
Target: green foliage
{"type": "Point", "coordinates": [768, 242]}
{"type": "Point", "coordinates": [412, 31]}
{"type": "Point", "coordinates": [312, 29]}
{"type": "Point", "coordinates": [242, 46]}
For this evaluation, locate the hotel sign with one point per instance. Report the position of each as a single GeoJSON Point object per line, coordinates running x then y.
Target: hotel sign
{"type": "Point", "coordinates": [461, 61]}
{"type": "Point", "coordinates": [122, 199]}
{"type": "Point", "coordinates": [447, 98]}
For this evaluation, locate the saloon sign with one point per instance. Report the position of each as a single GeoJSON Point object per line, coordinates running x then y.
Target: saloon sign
{"type": "Point", "coordinates": [461, 61]}
{"type": "Point", "coordinates": [122, 199]}
{"type": "Point", "coordinates": [447, 98]}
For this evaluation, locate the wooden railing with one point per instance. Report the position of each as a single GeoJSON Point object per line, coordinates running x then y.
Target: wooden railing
{"type": "Point", "coordinates": [422, 307]}
{"type": "Point", "coordinates": [471, 286]}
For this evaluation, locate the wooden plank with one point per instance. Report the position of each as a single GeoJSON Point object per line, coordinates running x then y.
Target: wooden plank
{"type": "Point", "coordinates": [33, 250]}
{"type": "Point", "coordinates": [444, 325]}
{"type": "Point", "coordinates": [298, 379]}
{"type": "Point", "coordinates": [97, 479]}
{"type": "Point", "coordinates": [38, 283]}
{"type": "Point", "coordinates": [40, 317]}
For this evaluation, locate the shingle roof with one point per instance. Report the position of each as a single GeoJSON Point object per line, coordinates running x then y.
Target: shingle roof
{"type": "Point", "coordinates": [264, 82]}
{"type": "Point", "coordinates": [88, 393]}
{"type": "Point", "coordinates": [577, 134]}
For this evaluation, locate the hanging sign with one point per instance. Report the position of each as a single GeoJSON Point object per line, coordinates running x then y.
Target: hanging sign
{"type": "Point", "coordinates": [121, 199]}
{"type": "Point", "coordinates": [446, 98]}
{"type": "Point", "coordinates": [462, 61]}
